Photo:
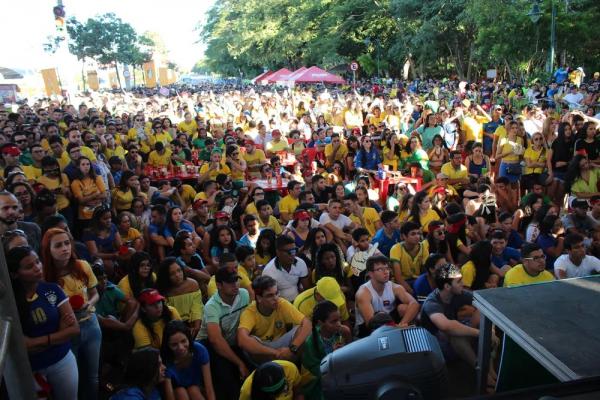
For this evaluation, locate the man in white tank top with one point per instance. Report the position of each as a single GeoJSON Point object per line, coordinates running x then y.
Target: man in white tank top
{"type": "Point", "coordinates": [380, 294]}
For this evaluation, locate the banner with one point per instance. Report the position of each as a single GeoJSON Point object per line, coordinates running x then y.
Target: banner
{"type": "Point", "coordinates": [51, 81]}
{"type": "Point", "coordinates": [92, 78]}
{"type": "Point", "coordinates": [150, 74]}
{"type": "Point", "coordinates": [163, 76]}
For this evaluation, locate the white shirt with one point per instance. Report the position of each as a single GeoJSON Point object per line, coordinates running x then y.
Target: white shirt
{"type": "Point", "coordinates": [287, 282]}
{"type": "Point", "coordinates": [588, 265]}
{"type": "Point", "coordinates": [573, 98]}
{"type": "Point", "coordinates": [341, 222]}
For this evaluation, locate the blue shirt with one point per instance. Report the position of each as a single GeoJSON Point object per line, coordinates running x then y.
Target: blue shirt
{"type": "Point", "coordinates": [546, 241]}
{"type": "Point", "coordinates": [421, 286]}
{"type": "Point", "coordinates": [43, 319]}
{"type": "Point", "coordinates": [368, 160]}
{"type": "Point", "coordinates": [504, 258]}
{"type": "Point", "coordinates": [192, 374]}
{"type": "Point", "coordinates": [386, 243]}
{"type": "Point", "coordinates": [183, 226]}
{"type": "Point", "coordinates": [154, 229]}
{"type": "Point", "coordinates": [514, 240]}
{"type": "Point", "coordinates": [135, 393]}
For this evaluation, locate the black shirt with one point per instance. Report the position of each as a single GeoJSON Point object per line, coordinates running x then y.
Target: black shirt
{"type": "Point", "coordinates": [433, 304]}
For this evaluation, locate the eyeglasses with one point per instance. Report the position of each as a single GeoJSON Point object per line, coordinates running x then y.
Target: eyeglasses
{"type": "Point", "coordinates": [12, 233]}
{"type": "Point", "coordinates": [21, 141]}
{"type": "Point", "coordinates": [291, 252]}
{"type": "Point", "coordinates": [536, 258]}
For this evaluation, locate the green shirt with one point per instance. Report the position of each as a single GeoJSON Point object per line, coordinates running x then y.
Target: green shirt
{"type": "Point", "coordinates": [109, 301]}
{"type": "Point", "coordinates": [227, 316]}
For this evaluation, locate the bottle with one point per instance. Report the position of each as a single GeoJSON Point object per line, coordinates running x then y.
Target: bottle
{"type": "Point", "coordinates": [279, 179]}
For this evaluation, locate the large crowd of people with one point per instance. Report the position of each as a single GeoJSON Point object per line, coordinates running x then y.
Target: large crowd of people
{"type": "Point", "coordinates": [220, 241]}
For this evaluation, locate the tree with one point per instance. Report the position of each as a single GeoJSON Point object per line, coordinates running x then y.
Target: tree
{"type": "Point", "coordinates": [106, 39]}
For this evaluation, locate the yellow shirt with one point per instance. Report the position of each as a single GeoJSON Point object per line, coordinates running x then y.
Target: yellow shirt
{"type": "Point", "coordinates": [517, 276]}
{"type": "Point", "coordinates": [32, 173]}
{"type": "Point", "coordinates": [74, 286]}
{"type": "Point", "coordinates": [288, 205]}
{"type": "Point", "coordinates": [410, 266]}
{"type": "Point", "coordinates": [63, 160]}
{"type": "Point", "coordinates": [370, 216]}
{"type": "Point", "coordinates": [509, 146]}
{"type": "Point", "coordinates": [473, 127]}
{"type": "Point", "coordinates": [452, 173]}
{"type": "Point", "coordinates": [306, 301]}
{"type": "Point", "coordinates": [392, 162]}
{"type": "Point", "coordinates": [87, 187]}
{"type": "Point", "coordinates": [431, 215]}
{"type": "Point", "coordinates": [188, 127]}
{"type": "Point", "coordinates": [273, 224]}
{"type": "Point", "coordinates": [132, 234]}
{"type": "Point", "coordinates": [62, 201]}
{"type": "Point", "coordinates": [244, 283]}
{"type": "Point", "coordinates": [268, 328]}
{"type": "Point", "coordinates": [89, 153]}
{"type": "Point", "coordinates": [159, 160]}
{"type": "Point", "coordinates": [535, 156]}
{"type": "Point", "coordinates": [122, 200]}
{"type": "Point", "coordinates": [214, 172]}
{"type": "Point", "coordinates": [468, 272]}
{"type": "Point", "coordinates": [143, 338]}
{"type": "Point", "coordinates": [125, 286]}
{"type": "Point", "coordinates": [275, 147]}
{"type": "Point", "coordinates": [251, 209]}
{"type": "Point", "coordinates": [132, 136]}
{"type": "Point", "coordinates": [200, 196]}
{"type": "Point", "coordinates": [339, 156]}
{"type": "Point", "coordinates": [163, 137]}
{"type": "Point", "coordinates": [117, 151]}
{"type": "Point", "coordinates": [188, 305]}
{"type": "Point", "coordinates": [292, 378]}
{"type": "Point", "coordinates": [500, 132]}
{"type": "Point", "coordinates": [187, 196]}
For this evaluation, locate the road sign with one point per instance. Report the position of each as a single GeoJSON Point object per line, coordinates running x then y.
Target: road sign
{"type": "Point", "coordinates": [126, 73]}
{"type": "Point", "coordinates": [354, 66]}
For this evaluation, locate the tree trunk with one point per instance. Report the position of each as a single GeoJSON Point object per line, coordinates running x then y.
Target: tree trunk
{"type": "Point", "coordinates": [118, 76]}
{"type": "Point", "coordinates": [133, 72]}
{"type": "Point", "coordinates": [83, 73]}
{"type": "Point", "coordinates": [470, 62]}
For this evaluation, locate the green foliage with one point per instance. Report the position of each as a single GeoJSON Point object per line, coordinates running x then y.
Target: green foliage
{"type": "Point", "coordinates": [440, 37]}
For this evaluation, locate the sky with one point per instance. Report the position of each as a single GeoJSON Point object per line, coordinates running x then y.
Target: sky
{"type": "Point", "coordinates": [27, 24]}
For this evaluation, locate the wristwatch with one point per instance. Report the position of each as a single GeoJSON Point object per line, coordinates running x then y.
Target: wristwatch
{"type": "Point", "coordinates": [293, 348]}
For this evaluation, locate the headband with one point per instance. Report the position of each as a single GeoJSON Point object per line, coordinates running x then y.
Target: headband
{"type": "Point", "coordinates": [275, 387]}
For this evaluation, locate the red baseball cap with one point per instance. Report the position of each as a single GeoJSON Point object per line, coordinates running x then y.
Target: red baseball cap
{"type": "Point", "coordinates": [221, 214]}
{"type": "Point", "coordinates": [199, 202]}
{"type": "Point", "coordinates": [302, 215]}
{"type": "Point", "coordinates": [150, 296]}
{"type": "Point", "coordinates": [11, 149]}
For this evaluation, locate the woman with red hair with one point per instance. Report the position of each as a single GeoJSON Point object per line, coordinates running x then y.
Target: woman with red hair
{"type": "Point", "coordinates": [77, 280]}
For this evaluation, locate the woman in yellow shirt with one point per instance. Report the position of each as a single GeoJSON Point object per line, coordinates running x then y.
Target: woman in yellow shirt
{"type": "Point", "coordinates": [421, 211]}
{"type": "Point", "coordinates": [139, 277]}
{"type": "Point", "coordinates": [510, 151]}
{"type": "Point", "coordinates": [88, 189]}
{"type": "Point", "coordinates": [182, 293]}
{"type": "Point", "coordinates": [353, 116]}
{"type": "Point", "coordinates": [278, 380]}
{"type": "Point", "coordinates": [154, 316]}
{"type": "Point", "coordinates": [123, 195]}
{"type": "Point", "coordinates": [130, 236]}
{"type": "Point", "coordinates": [476, 272]}
{"type": "Point", "coordinates": [236, 164]}
{"type": "Point", "coordinates": [392, 152]}
{"type": "Point", "coordinates": [536, 161]}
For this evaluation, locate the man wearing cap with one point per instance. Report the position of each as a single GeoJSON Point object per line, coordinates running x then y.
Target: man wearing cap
{"type": "Point", "coordinates": [287, 269]}
{"type": "Point", "coordinates": [289, 203]}
{"type": "Point", "coordinates": [218, 333]}
{"type": "Point", "coordinates": [381, 294]}
{"type": "Point", "coordinates": [578, 221]}
{"type": "Point", "coordinates": [10, 154]}
{"type": "Point", "coordinates": [270, 327]}
{"type": "Point", "coordinates": [277, 144]}
{"type": "Point", "coordinates": [254, 158]}
{"type": "Point", "coordinates": [445, 308]}
{"type": "Point", "coordinates": [327, 288]}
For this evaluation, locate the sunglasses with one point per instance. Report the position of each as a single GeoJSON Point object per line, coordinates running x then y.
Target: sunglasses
{"type": "Point", "coordinates": [292, 252]}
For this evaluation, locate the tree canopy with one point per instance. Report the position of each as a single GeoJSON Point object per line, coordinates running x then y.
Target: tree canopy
{"type": "Point", "coordinates": [438, 37]}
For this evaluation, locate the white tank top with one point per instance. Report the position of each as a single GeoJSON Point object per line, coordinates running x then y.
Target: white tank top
{"type": "Point", "coordinates": [386, 302]}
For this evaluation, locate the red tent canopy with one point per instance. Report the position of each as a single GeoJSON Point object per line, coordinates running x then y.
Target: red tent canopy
{"type": "Point", "coordinates": [296, 73]}
{"type": "Point", "coordinates": [280, 75]}
{"type": "Point", "coordinates": [262, 76]}
{"type": "Point", "coordinates": [317, 75]}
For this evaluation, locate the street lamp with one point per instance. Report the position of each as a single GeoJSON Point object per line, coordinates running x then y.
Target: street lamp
{"type": "Point", "coordinates": [535, 14]}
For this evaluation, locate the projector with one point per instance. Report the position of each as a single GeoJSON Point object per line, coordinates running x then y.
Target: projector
{"type": "Point", "coordinates": [391, 363]}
